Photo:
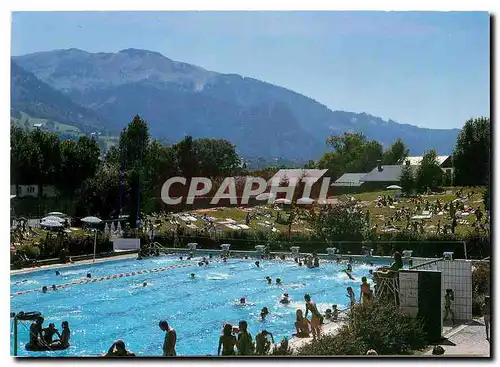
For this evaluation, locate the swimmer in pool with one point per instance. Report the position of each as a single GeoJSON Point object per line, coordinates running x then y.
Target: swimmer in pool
{"type": "Point", "coordinates": [44, 289]}
{"type": "Point", "coordinates": [349, 268]}
{"type": "Point", "coordinates": [57, 272]}
{"type": "Point", "coordinates": [49, 333]}
{"type": "Point", "coordinates": [263, 313]}
{"type": "Point", "coordinates": [188, 258]}
{"type": "Point", "coordinates": [200, 264]}
{"type": "Point", "coordinates": [54, 287]}
{"type": "Point", "coordinates": [296, 260]}
{"type": "Point", "coordinates": [278, 281]}
{"type": "Point", "coordinates": [192, 275]}
{"type": "Point", "coordinates": [224, 259]}
{"type": "Point", "coordinates": [246, 257]}
{"type": "Point", "coordinates": [269, 280]}
{"type": "Point", "coordinates": [300, 263]}
{"type": "Point", "coordinates": [180, 257]}
{"type": "Point", "coordinates": [63, 341]}
{"type": "Point", "coordinates": [145, 284]}
{"type": "Point", "coordinates": [257, 263]}
{"type": "Point", "coordinates": [89, 275]}
{"type": "Point", "coordinates": [285, 300]}
{"type": "Point", "coordinates": [209, 256]}
{"type": "Point", "coordinates": [243, 301]}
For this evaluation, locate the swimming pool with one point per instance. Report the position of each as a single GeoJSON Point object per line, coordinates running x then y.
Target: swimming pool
{"type": "Point", "coordinates": [101, 312]}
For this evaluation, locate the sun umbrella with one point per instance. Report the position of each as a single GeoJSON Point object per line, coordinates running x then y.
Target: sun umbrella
{"type": "Point", "coordinates": [52, 218]}
{"type": "Point", "coordinates": [91, 220]}
{"type": "Point", "coordinates": [282, 201]}
{"type": "Point", "coordinates": [393, 187]}
{"type": "Point", "coordinates": [264, 196]}
{"type": "Point", "coordinates": [305, 201]}
{"type": "Point", "coordinates": [57, 214]}
{"type": "Point", "coordinates": [51, 224]}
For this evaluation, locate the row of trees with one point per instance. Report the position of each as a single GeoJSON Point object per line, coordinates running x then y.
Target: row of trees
{"type": "Point", "coordinates": [354, 153]}
{"type": "Point", "coordinates": [127, 178]}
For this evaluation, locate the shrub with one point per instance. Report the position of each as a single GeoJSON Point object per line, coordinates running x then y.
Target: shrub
{"type": "Point", "coordinates": [282, 349]}
{"type": "Point", "coordinates": [375, 325]}
{"type": "Point", "coordinates": [480, 287]}
{"type": "Point", "coordinates": [31, 251]}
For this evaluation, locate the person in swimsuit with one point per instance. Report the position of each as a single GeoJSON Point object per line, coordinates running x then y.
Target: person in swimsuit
{"type": "Point", "coordinates": [269, 280]}
{"type": "Point", "coordinates": [192, 275]}
{"type": "Point", "coordinates": [278, 281]}
{"type": "Point", "coordinates": [447, 305]}
{"type": "Point", "coordinates": [285, 300]}
{"type": "Point", "coordinates": [44, 289]}
{"type": "Point", "coordinates": [262, 343]}
{"type": "Point", "coordinates": [365, 294]}
{"type": "Point", "coordinates": [63, 341]}
{"type": "Point", "coordinates": [257, 264]}
{"type": "Point", "coordinates": [245, 343]}
{"type": "Point", "coordinates": [315, 316]}
{"type": "Point", "coordinates": [335, 313]}
{"type": "Point", "coordinates": [36, 339]}
{"type": "Point", "coordinates": [118, 349]}
{"type": "Point", "coordinates": [243, 301]}
{"type": "Point", "coordinates": [302, 325]}
{"type": "Point", "coordinates": [49, 332]}
{"type": "Point", "coordinates": [351, 296]}
{"type": "Point", "coordinates": [227, 341]}
{"type": "Point", "coordinates": [263, 313]}
{"type": "Point", "coordinates": [170, 339]}
{"type": "Point", "coordinates": [487, 316]}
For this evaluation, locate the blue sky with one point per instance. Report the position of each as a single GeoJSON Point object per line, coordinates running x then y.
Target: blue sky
{"type": "Point", "coordinates": [429, 69]}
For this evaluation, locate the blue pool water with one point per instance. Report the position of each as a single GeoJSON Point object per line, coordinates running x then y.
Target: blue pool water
{"type": "Point", "coordinates": [99, 313]}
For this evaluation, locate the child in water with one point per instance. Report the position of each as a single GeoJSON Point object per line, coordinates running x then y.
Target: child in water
{"type": "Point", "coordinates": [278, 281]}
{"type": "Point", "coordinates": [192, 275]}
{"type": "Point", "coordinates": [269, 280]}
{"type": "Point", "coordinates": [352, 297]}
{"type": "Point", "coordinates": [263, 313]}
{"type": "Point", "coordinates": [285, 300]}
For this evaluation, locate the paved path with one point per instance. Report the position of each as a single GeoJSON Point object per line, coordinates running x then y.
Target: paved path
{"type": "Point", "coordinates": [466, 341]}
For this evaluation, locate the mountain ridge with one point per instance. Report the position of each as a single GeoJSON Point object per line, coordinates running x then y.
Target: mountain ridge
{"type": "Point", "coordinates": [177, 98]}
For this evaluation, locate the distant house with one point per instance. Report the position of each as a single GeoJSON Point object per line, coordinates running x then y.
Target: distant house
{"type": "Point", "coordinates": [444, 161]}
{"type": "Point", "coordinates": [349, 180]}
{"type": "Point", "coordinates": [384, 175]}
{"type": "Point", "coordinates": [49, 191]}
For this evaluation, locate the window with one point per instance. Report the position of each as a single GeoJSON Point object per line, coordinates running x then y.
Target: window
{"type": "Point", "coordinates": [31, 189]}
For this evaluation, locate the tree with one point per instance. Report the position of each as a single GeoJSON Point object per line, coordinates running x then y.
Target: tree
{"type": "Point", "coordinates": [407, 180]}
{"type": "Point", "coordinates": [471, 157]}
{"type": "Point", "coordinates": [429, 173]}
{"type": "Point", "coordinates": [216, 157]}
{"type": "Point", "coordinates": [396, 154]}
{"type": "Point", "coordinates": [339, 222]}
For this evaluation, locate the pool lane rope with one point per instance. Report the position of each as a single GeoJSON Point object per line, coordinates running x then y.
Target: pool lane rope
{"type": "Point", "coordinates": [114, 276]}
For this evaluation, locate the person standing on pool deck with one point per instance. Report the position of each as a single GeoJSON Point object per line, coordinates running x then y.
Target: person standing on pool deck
{"type": "Point", "coordinates": [315, 316]}
{"type": "Point", "coordinates": [365, 294]}
{"type": "Point", "coordinates": [227, 341]}
{"type": "Point", "coordinates": [245, 343]}
{"type": "Point", "coordinates": [170, 339]}
{"type": "Point", "coordinates": [487, 316]}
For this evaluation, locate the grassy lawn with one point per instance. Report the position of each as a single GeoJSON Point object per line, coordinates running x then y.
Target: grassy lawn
{"type": "Point", "coordinates": [378, 215]}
